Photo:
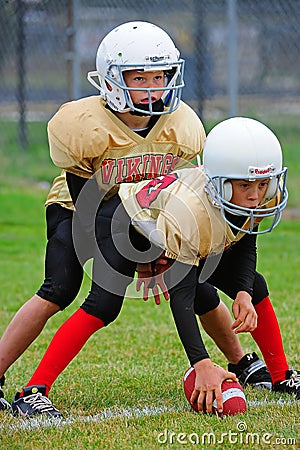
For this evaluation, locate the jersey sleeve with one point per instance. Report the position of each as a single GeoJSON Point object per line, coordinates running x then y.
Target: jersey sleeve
{"type": "Point", "coordinates": [70, 141]}
{"type": "Point", "coordinates": [61, 154]}
{"type": "Point", "coordinates": [195, 135]}
{"type": "Point", "coordinates": [75, 142]}
{"type": "Point", "coordinates": [195, 129]}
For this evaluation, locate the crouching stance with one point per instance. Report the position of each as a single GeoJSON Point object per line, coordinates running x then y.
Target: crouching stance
{"type": "Point", "coordinates": [205, 220]}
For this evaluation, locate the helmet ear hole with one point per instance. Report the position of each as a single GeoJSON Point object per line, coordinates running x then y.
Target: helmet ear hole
{"type": "Point", "coordinates": [272, 188]}
{"type": "Point", "coordinates": [227, 190]}
{"type": "Point", "coordinates": [109, 87]}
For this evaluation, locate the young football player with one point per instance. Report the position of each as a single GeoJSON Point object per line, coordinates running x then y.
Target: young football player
{"type": "Point", "coordinates": [122, 144]}
{"type": "Point", "coordinates": [132, 135]}
{"type": "Point", "coordinates": [206, 221]}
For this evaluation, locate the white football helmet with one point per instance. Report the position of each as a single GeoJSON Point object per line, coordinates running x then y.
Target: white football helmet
{"type": "Point", "coordinates": [243, 148]}
{"type": "Point", "coordinates": [137, 46]}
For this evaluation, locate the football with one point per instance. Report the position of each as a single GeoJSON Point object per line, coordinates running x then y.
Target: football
{"type": "Point", "coordinates": [234, 401]}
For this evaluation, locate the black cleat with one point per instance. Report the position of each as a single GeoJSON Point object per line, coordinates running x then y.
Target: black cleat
{"type": "Point", "coordinates": [291, 384]}
{"type": "Point", "coordinates": [251, 371]}
{"type": "Point", "coordinates": [4, 405]}
{"type": "Point", "coordinates": [34, 402]}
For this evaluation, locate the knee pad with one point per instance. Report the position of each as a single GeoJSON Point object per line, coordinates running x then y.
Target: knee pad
{"type": "Point", "coordinates": [207, 298]}
{"type": "Point", "coordinates": [260, 289]}
{"type": "Point", "coordinates": [58, 294]}
{"type": "Point", "coordinates": [107, 311]}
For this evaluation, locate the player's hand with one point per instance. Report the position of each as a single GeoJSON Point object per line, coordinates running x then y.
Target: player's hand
{"type": "Point", "coordinates": [244, 313]}
{"type": "Point", "coordinates": [209, 378]}
{"type": "Point", "coordinates": [161, 265]}
{"type": "Point", "coordinates": [151, 279]}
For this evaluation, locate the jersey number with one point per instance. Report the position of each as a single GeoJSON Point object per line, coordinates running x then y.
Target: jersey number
{"type": "Point", "coordinates": [150, 191]}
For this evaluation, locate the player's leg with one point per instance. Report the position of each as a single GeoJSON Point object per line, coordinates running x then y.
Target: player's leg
{"type": "Point", "coordinates": [59, 289]}
{"type": "Point", "coordinates": [217, 320]}
{"type": "Point", "coordinates": [100, 308]}
{"type": "Point", "coordinates": [268, 337]}
{"type": "Point", "coordinates": [267, 334]}
{"type": "Point", "coordinates": [25, 326]}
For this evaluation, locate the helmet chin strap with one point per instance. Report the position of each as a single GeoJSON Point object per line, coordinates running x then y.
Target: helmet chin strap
{"type": "Point", "coordinates": [157, 106]}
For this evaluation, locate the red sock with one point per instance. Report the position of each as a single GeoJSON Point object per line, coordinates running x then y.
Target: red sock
{"type": "Point", "coordinates": [268, 337]}
{"type": "Point", "coordinates": [65, 345]}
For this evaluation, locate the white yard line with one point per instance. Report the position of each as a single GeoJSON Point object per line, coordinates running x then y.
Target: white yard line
{"type": "Point", "coordinates": [107, 414]}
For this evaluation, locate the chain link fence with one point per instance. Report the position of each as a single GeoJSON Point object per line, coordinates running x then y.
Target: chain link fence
{"type": "Point", "coordinates": [242, 56]}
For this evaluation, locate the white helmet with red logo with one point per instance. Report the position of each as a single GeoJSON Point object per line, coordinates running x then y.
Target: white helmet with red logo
{"type": "Point", "coordinates": [137, 46]}
{"type": "Point", "coordinates": [245, 149]}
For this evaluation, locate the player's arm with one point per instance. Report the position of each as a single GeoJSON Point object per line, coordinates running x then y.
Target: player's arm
{"type": "Point", "coordinates": [209, 377]}
{"type": "Point", "coordinates": [243, 259]}
{"type": "Point", "coordinates": [75, 185]}
{"type": "Point", "coordinates": [182, 306]}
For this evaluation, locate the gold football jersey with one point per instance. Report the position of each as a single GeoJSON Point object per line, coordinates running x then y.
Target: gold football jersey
{"type": "Point", "coordinates": [84, 137]}
{"type": "Point", "coordinates": [176, 213]}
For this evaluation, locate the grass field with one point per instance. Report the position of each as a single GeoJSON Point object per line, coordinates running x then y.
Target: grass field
{"type": "Point", "coordinates": [124, 390]}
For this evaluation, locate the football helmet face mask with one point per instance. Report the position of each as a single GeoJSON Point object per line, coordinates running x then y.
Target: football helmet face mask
{"type": "Point", "coordinates": [138, 46]}
{"type": "Point", "coordinates": [245, 149]}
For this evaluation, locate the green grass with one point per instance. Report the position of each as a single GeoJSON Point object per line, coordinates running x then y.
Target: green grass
{"type": "Point", "coordinates": [23, 167]}
{"type": "Point", "coordinates": [137, 361]}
